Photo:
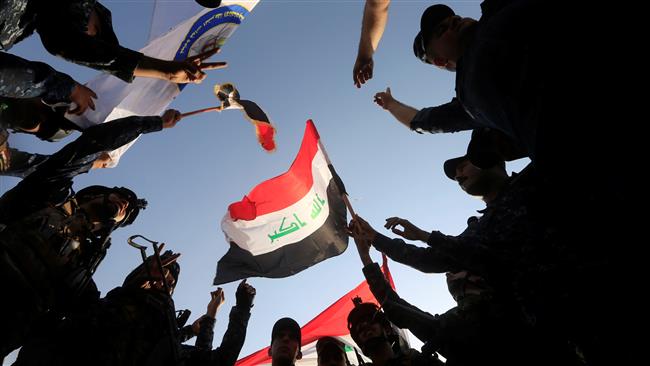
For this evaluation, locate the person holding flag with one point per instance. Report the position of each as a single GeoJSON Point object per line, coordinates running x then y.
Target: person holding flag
{"type": "Point", "coordinates": [373, 332]}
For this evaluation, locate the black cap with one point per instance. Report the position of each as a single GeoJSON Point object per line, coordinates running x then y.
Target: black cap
{"type": "Point", "coordinates": [135, 204]}
{"type": "Point", "coordinates": [288, 324]}
{"type": "Point", "coordinates": [329, 341]}
{"type": "Point", "coordinates": [209, 3]}
{"type": "Point", "coordinates": [431, 17]}
{"type": "Point", "coordinates": [364, 312]}
{"type": "Point", "coordinates": [482, 152]}
{"type": "Point", "coordinates": [451, 164]}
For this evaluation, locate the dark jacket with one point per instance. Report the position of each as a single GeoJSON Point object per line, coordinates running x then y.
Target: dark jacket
{"type": "Point", "coordinates": [489, 247]}
{"type": "Point", "coordinates": [226, 354]}
{"type": "Point", "coordinates": [50, 184]}
{"type": "Point", "coordinates": [501, 79]}
{"type": "Point", "coordinates": [62, 27]}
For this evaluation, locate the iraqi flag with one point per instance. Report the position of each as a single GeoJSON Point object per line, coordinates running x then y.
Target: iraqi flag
{"type": "Point", "coordinates": [287, 223]}
{"type": "Point", "coordinates": [332, 322]}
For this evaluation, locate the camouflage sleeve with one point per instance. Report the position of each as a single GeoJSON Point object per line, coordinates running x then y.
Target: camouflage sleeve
{"type": "Point", "coordinates": [55, 175]}
{"type": "Point", "coordinates": [468, 253]}
{"type": "Point", "coordinates": [77, 156]}
{"type": "Point", "coordinates": [400, 312]}
{"type": "Point", "coordinates": [186, 333]}
{"type": "Point", "coordinates": [449, 117]}
{"type": "Point", "coordinates": [423, 259]}
{"type": "Point", "coordinates": [206, 333]}
{"type": "Point", "coordinates": [233, 340]}
{"type": "Point", "coordinates": [23, 163]}
{"type": "Point", "coordinates": [20, 78]}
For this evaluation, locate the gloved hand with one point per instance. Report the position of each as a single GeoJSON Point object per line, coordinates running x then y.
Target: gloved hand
{"type": "Point", "coordinates": [245, 295]}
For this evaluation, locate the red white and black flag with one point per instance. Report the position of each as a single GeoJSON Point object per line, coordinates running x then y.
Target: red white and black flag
{"type": "Point", "coordinates": [332, 322]}
{"type": "Point", "coordinates": [287, 223]}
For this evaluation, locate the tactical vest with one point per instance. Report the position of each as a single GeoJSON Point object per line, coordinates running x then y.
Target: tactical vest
{"type": "Point", "coordinates": [50, 248]}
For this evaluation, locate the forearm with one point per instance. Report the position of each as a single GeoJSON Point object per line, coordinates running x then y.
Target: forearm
{"type": "Point", "coordinates": [150, 67]}
{"type": "Point", "coordinates": [468, 253]}
{"type": "Point", "coordinates": [23, 163]}
{"type": "Point", "coordinates": [399, 311]}
{"type": "Point", "coordinates": [20, 78]}
{"type": "Point", "coordinates": [206, 333]}
{"type": "Point", "coordinates": [402, 112]}
{"type": "Point", "coordinates": [233, 339]}
{"type": "Point", "coordinates": [449, 117]}
{"type": "Point", "coordinates": [375, 16]}
{"type": "Point", "coordinates": [423, 259]}
{"type": "Point", "coordinates": [113, 134]}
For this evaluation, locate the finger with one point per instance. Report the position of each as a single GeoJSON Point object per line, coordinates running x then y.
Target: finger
{"type": "Point", "coordinates": [391, 221]}
{"type": "Point", "coordinates": [357, 79]}
{"type": "Point", "coordinates": [75, 110]}
{"type": "Point", "coordinates": [213, 65]}
{"type": "Point", "coordinates": [171, 259]}
{"type": "Point", "coordinates": [392, 226]}
{"type": "Point", "coordinates": [397, 231]}
{"type": "Point", "coordinates": [161, 247]}
{"type": "Point", "coordinates": [92, 93]}
{"type": "Point", "coordinates": [199, 79]}
{"type": "Point", "coordinates": [205, 55]}
{"type": "Point", "coordinates": [91, 103]}
{"type": "Point", "coordinates": [388, 91]}
{"type": "Point", "coordinates": [191, 69]}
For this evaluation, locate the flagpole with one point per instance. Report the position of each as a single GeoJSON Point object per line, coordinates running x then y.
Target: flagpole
{"type": "Point", "coordinates": [348, 205]}
{"type": "Point", "coordinates": [344, 194]}
{"type": "Point", "coordinates": [199, 111]}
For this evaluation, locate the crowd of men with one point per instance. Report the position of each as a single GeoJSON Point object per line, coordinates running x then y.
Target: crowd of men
{"type": "Point", "coordinates": [534, 277]}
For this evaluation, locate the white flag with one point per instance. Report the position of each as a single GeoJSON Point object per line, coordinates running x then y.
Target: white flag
{"type": "Point", "coordinates": [202, 32]}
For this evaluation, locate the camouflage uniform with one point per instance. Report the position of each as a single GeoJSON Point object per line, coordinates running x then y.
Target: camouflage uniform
{"type": "Point", "coordinates": [47, 249]}
{"type": "Point", "coordinates": [62, 26]}
{"type": "Point", "coordinates": [133, 326]}
{"type": "Point", "coordinates": [468, 334]}
{"type": "Point", "coordinates": [20, 78]}
{"type": "Point", "coordinates": [17, 21]}
{"type": "Point", "coordinates": [516, 251]}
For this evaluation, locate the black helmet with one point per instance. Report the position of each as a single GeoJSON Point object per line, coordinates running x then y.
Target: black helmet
{"type": "Point", "coordinates": [209, 3]}
{"type": "Point", "coordinates": [364, 312]}
{"type": "Point", "coordinates": [135, 203]}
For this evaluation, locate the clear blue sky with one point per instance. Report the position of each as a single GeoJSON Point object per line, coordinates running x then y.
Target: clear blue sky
{"type": "Point", "coordinates": [294, 58]}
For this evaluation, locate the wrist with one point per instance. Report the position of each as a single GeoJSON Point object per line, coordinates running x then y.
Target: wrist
{"type": "Point", "coordinates": [244, 306]}
{"type": "Point", "coordinates": [424, 236]}
{"type": "Point", "coordinates": [152, 68]}
{"type": "Point", "coordinates": [366, 260]}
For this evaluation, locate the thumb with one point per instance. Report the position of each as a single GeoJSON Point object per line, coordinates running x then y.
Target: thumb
{"type": "Point", "coordinates": [388, 90]}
